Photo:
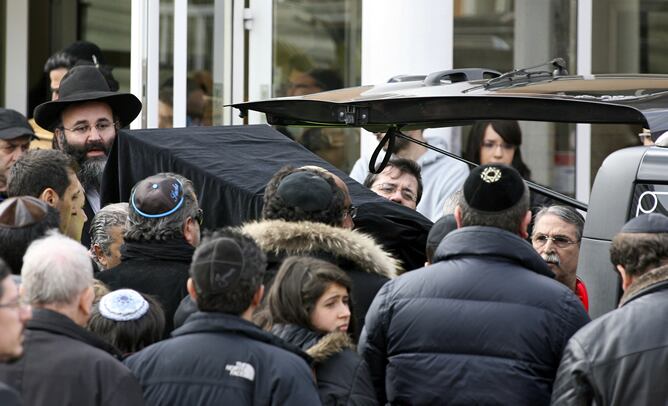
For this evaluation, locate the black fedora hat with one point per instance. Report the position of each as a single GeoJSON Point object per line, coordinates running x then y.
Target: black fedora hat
{"type": "Point", "coordinates": [85, 83]}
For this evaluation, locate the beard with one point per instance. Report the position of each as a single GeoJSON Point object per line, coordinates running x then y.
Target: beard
{"type": "Point", "coordinates": [90, 169]}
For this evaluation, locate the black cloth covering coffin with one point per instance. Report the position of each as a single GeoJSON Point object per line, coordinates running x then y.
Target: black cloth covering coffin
{"type": "Point", "coordinates": [230, 167]}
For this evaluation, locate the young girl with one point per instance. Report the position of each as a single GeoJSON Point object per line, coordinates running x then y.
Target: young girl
{"type": "Point", "coordinates": [309, 306]}
{"type": "Point", "coordinates": [497, 142]}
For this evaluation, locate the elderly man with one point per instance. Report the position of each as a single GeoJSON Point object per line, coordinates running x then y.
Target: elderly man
{"type": "Point", "coordinates": [400, 182]}
{"type": "Point", "coordinates": [106, 232]}
{"type": "Point", "coordinates": [50, 176]}
{"type": "Point", "coordinates": [620, 358]}
{"type": "Point", "coordinates": [556, 235]}
{"type": "Point", "coordinates": [13, 317]}
{"type": "Point", "coordinates": [64, 364]}
{"type": "Point", "coordinates": [162, 233]}
{"type": "Point", "coordinates": [84, 120]}
{"type": "Point", "coordinates": [15, 137]}
{"type": "Point", "coordinates": [219, 356]}
{"type": "Point", "coordinates": [487, 310]}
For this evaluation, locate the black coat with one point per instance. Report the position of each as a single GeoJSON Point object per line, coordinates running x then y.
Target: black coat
{"type": "Point", "coordinates": [342, 375]}
{"type": "Point", "coordinates": [219, 359]}
{"type": "Point", "coordinates": [64, 364]}
{"type": "Point", "coordinates": [9, 396]}
{"type": "Point", "coordinates": [485, 324]}
{"type": "Point", "coordinates": [158, 268]}
{"type": "Point", "coordinates": [365, 262]}
{"type": "Point", "coordinates": [621, 358]}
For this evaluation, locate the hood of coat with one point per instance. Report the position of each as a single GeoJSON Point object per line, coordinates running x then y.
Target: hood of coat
{"type": "Point", "coordinates": [491, 241]}
{"type": "Point", "coordinates": [651, 281]}
{"type": "Point", "coordinates": [304, 238]}
{"type": "Point", "coordinates": [319, 347]}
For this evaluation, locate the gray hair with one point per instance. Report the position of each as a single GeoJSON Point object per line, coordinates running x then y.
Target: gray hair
{"type": "Point", "coordinates": [141, 228]}
{"type": "Point", "coordinates": [109, 216]}
{"type": "Point", "coordinates": [56, 269]}
{"type": "Point", "coordinates": [566, 214]}
{"type": "Point", "coordinates": [508, 219]}
{"type": "Point", "coordinates": [452, 201]}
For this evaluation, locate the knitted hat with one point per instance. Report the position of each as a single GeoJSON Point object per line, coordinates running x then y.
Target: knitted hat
{"type": "Point", "coordinates": [157, 196]}
{"type": "Point", "coordinates": [493, 187]}
{"type": "Point", "coordinates": [216, 265]}
{"type": "Point", "coordinates": [305, 190]}
{"type": "Point", "coordinates": [653, 223]}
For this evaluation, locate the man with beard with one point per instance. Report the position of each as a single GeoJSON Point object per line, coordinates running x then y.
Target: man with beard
{"type": "Point", "coordinates": [84, 121]}
{"type": "Point", "coordinates": [556, 237]}
{"type": "Point", "coordinates": [441, 175]}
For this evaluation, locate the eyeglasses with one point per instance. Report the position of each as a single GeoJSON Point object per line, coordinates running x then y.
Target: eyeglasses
{"type": "Point", "coordinates": [559, 240]}
{"type": "Point", "coordinates": [101, 127]}
{"type": "Point", "coordinates": [389, 188]}
{"type": "Point", "coordinates": [199, 216]}
{"type": "Point", "coordinates": [350, 211]}
{"type": "Point", "coordinates": [494, 145]}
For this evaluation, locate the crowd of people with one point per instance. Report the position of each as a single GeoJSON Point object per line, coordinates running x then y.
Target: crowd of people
{"type": "Point", "coordinates": [136, 303]}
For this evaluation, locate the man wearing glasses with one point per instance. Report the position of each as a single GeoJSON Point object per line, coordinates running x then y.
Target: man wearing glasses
{"type": "Point", "coordinates": [84, 120]}
{"type": "Point", "coordinates": [556, 236]}
{"type": "Point", "coordinates": [400, 182]}
{"type": "Point", "coordinates": [163, 229]}
{"type": "Point", "coordinates": [13, 317]}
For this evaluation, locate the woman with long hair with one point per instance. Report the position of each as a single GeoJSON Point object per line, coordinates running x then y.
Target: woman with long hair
{"type": "Point", "coordinates": [308, 305]}
{"type": "Point", "coordinates": [497, 141]}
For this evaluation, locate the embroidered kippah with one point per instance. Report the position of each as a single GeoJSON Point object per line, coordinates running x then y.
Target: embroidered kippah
{"type": "Point", "coordinates": [123, 305]}
{"type": "Point", "coordinates": [493, 187]}
{"type": "Point", "coordinates": [157, 196]}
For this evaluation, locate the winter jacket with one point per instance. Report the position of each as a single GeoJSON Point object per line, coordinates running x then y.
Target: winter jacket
{"type": "Point", "coordinates": [8, 396]}
{"type": "Point", "coordinates": [485, 324]}
{"type": "Point", "coordinates": [64, 364]}
{"type": "Point", "coordinates": [158, 268]}
{"type": "Point", "coordinates": [367, 264]}
{"type": "Point", "coordinates": [219, 359]}
{"type": "Point", "coordinates": [342, 375]}
{"type": "Point", "coordinates": [621, 358]}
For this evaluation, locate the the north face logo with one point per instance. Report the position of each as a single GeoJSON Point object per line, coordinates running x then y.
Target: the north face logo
{"type": "Point", "coordinates": [242, 370]}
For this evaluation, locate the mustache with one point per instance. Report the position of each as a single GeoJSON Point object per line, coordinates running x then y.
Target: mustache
{"type": "Point", "coordinates": [551, 258]}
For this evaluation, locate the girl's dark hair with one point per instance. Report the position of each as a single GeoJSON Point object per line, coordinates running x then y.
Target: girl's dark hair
{"type": "Point", "coordinates": [298, 285]}
{"type": "Point", "coordinates": [133, 335]}
{"type": "Point", "coordinates": [511, 133]}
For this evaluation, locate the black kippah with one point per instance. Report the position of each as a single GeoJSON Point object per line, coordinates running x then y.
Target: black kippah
{"type": "Point", "coordinates": [493, 187]}
{"type": "Point", "coordinates": [653, 223]}
{"type": "Point", "coordinates": [217, 265]}
{"type": "Point", "coordinates": [305, 190]}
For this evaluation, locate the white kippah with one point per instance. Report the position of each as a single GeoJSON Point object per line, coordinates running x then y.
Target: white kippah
{"type": "Point", "coordinates": [123, 305]}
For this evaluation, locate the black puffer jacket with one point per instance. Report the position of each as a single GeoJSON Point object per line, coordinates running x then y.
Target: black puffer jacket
{"type": "Point", "coordinates": [485, 324]}
{"type": "Point", "coordinates": [621, 358]}
{"type": "Point", "coordinates": [343, 377]}
{"type": "Point", "coordinates": [219, 359]}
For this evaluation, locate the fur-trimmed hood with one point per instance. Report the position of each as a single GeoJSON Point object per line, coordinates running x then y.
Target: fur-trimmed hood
{"type": "Point", "coordinates": [303, 238]}
{"type": "Point", "coordinates": [656, 279]}
{"type": "Point", "coordinates": [330, 345]}
{"type": "Point", "coordinates": [318, 346]}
